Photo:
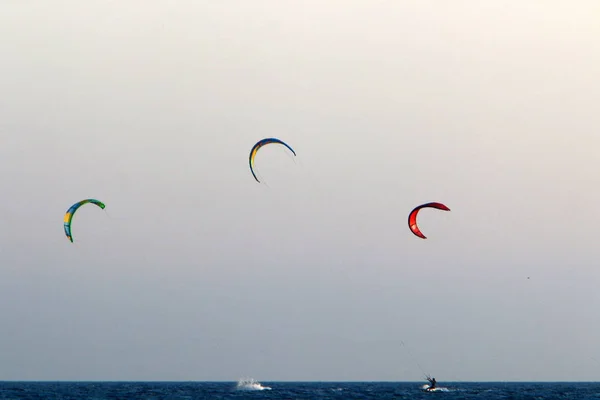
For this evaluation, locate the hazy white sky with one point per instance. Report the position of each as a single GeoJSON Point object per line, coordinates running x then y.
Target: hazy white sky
{"type": "Point", "coordinates": [197, 272]}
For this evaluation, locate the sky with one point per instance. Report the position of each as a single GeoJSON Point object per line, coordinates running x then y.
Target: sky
{"type": "Point", "coordinates": [195, 271]}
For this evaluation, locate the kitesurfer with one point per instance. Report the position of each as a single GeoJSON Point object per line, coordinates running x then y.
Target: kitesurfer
{"type": "Point", "coordinates": [432, 383]}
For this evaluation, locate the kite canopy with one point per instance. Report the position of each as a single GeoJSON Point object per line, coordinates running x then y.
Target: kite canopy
{"type": "Point", "coordinates": [71, 212]}
{"type": "Point", "coordinates": [412, 217]}
{"type": "Point", "coordinates": [260, 144]}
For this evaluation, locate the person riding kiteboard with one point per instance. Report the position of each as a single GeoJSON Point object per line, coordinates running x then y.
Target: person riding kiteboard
{"type": "Point", "coordinates": [432, 383]}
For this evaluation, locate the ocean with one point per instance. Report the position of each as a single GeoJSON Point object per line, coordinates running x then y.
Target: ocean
{"type": "Point", "coordinates": [294, 390]}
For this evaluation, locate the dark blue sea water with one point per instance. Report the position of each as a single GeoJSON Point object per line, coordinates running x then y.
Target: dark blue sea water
{"type": "Point", "coordinates": [294, 390]}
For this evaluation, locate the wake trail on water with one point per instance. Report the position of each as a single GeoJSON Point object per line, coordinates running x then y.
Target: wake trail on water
{"type": "Point", "coordinates": [250, 384]}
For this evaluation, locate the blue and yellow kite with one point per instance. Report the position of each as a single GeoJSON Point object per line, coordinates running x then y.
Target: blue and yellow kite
{"type": "Point", "coordinates": [260, 144]}
{"type": "Point", "coordinates": [71, 212]}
